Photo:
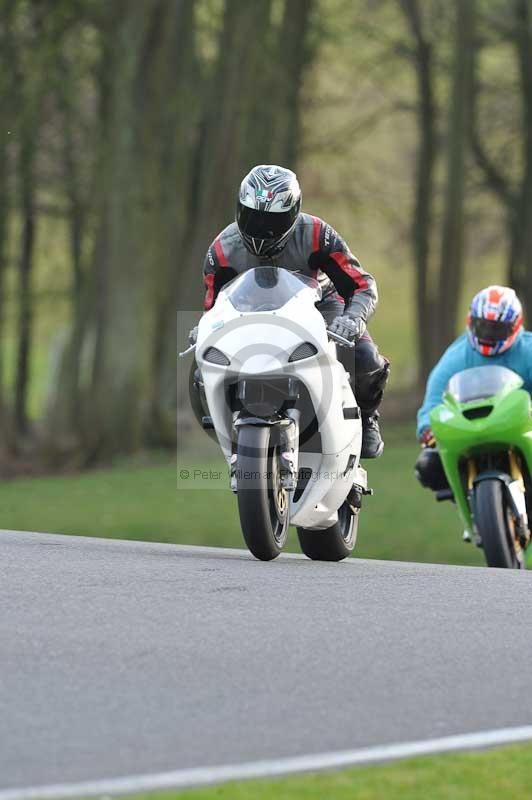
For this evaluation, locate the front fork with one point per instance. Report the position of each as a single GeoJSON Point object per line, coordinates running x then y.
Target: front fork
{"type": "Point", "coordinates": [287, 428]}
{"type": "Point", "coordinates": [289, 441]}
{"type": "Point", "coordinates": [515, 492]}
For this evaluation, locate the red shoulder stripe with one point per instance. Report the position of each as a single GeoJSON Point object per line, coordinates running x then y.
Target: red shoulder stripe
{"type": "Point", "coordinates": [209, 297]}
{"type": "Point", "coordinates": [316, 229]}
{"type": "Point", "coordinates": [220, 255]}
{"type": "Point", "coordinates": [349, 269]}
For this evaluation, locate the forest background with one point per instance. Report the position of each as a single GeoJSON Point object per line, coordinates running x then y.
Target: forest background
{"type": "Point", "coordinates": [127, 126]}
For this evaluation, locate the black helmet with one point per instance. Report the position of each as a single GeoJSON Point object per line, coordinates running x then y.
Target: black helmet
{"type": "Point", "coordinates": [267, 208]}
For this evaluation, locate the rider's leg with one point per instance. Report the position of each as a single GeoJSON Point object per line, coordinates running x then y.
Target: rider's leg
{"type": "Point", "coordinates": [429, 470]}
{"type": "Point", "coordinates": [370, 371]}
{"type": "Point", "coordinates": [371, 374]}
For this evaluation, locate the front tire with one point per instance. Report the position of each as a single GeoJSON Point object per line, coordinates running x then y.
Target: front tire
{"type": "Point", "coordinates": [263, 504]}
{"type": "Point", "coordinates": [334, 543]}
{"type": "Point", "coordinates": [495, 526]}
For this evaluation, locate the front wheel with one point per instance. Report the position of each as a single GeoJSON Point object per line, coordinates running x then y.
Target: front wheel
{"type": "Point", "coordinates": [496, 526]}
{"type": "Point", "coordinates": [263, 504]}
{"type": "Point", "coordinates": [334, 543]}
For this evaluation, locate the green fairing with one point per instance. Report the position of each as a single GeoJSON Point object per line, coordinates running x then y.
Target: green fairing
{"type": "Point", "coordinates": [508, 425]}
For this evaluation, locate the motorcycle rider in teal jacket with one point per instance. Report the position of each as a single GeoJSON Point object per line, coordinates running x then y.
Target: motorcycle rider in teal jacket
{"type": "Point", "coordinates": [494, 336]}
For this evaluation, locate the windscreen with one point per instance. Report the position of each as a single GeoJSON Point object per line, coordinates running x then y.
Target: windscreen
{"type": "Point", "coordinates": [268, 288]}
{"type": "Point", "coordinates": [479, 383]}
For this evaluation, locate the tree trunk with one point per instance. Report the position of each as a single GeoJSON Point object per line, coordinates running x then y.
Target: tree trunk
{"type": "Point", "coordinates": [63, 411]}
{"type": "Point", "coordinates": [29, 63]}
{"type": "Point", "coordinates": [72, 181]}
{"type": "Point", "coordinates": [137, 209]}
{"type": "Point", "coordinates": [4, 216]}
{"type": "Point", "coordinates": [105, 362]}
{"type": "Point", "coordinates": [293, 56]}
{"type": "Point", "coordinates": [121, 326]}
{"type": "Point", "coordinates": [227, 150]}
{"type": "Point", "coordinates": [66, 412]}
{"type": "Point", "coordinates": [520, 262]}
{"type": "Point", "coordinates": [452, 246]}
{"type": "Point", "coordinates": [5, 94]}
{"type": "Point", "coordinates": [11, 109]}
{"type": "Point", "coordinates": [176, 87]}
{"type": "Point", "coordinates": [25, 314]}
{"type": "Point", "coordinates": [422, 221]}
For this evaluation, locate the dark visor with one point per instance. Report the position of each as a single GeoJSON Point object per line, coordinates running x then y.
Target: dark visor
{"type": "Point", "coordinates": [488, 330]}
{"type": "Point", "coordinates": [264, 224]}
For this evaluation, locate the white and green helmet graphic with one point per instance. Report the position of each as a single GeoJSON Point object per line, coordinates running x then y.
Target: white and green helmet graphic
{"type": "Point", "coordinates": [268, 208]}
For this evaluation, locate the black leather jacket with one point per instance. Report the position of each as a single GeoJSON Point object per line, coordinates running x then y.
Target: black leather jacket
{"type": "Point", "coordinates": [314, 248]}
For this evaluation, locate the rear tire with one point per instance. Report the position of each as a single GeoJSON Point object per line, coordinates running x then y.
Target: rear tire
{"type": "Point", "coordinates": [263, 504]}
{"type": "Point", "coordinates": [334, 543]}
{"type": "Point", "coordinates": [495, 525]}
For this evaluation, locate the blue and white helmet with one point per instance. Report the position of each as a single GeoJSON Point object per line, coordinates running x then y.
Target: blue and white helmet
{"type": "Point", "coordinates": [267, 208]}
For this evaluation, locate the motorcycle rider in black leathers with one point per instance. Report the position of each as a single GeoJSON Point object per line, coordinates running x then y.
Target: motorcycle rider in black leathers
{"type": "Point", "coordinates": [270, 229]}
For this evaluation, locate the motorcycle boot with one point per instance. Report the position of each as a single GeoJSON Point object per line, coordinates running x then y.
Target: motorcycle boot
{"type": "Point", "coordinates": [372, 443]}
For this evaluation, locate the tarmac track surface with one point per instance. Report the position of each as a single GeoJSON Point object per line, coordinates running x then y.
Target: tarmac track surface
{"type": "Point", "coordinates": [126, 659]}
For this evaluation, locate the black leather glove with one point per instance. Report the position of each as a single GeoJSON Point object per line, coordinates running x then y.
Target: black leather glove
{"type": "Point", "coordinates": [351, 328]}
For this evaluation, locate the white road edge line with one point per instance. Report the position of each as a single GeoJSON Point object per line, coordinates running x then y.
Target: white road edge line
{"type": "Point", "coordinates": [204, 776]}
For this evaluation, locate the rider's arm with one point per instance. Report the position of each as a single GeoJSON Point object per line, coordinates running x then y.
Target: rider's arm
{"type": "Point", "coordinates": [451, 362]}
{"type": "Point", "coordinates": [332, 255]}
{"type": "Point", "coordinates": [522, 350]}
{"type": "Point", "coordinates": [216, 272]}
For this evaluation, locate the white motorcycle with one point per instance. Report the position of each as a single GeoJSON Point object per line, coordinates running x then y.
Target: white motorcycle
{"type": "Point", "coordinates": [283, 410]}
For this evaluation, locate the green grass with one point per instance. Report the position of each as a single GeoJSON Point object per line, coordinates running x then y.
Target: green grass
{"type": "Point", "coordinates": [136, 501]}
{"type": "Point", "coordinates": [503, 774]}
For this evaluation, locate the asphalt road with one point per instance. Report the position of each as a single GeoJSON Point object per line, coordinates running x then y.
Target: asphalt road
{"type": "Point", "coordinates": [120, 658]}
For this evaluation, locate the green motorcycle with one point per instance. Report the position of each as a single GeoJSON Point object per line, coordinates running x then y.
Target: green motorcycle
{"type": "Point", "coordinates": [483, 430]}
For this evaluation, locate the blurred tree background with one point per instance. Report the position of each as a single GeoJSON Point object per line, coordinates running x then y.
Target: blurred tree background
{"type": "Point", "coordinates": [126, 126]}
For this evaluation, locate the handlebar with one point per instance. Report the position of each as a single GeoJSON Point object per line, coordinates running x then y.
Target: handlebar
{"type": "Point", "coordinates": [187, 351]}
{"type": "Point", "coordinates": [334, 336]}
{"type": "Point", "coordinates": [340, 339]}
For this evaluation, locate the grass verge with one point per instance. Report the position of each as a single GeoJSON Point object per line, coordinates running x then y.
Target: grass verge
{"type": "Point", "coordinates": [401, 521]}
{"type": "Point", "coordinates": [132, 500]}
{"type": "Point", "coordinates": [502, 774]}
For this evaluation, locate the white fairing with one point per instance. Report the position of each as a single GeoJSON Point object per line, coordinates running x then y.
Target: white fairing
{"type": "Point", "coordinates": [258, 344]}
